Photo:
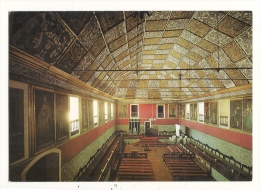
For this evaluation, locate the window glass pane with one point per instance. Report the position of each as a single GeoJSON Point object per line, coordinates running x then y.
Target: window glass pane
{"type": "Point", "coordinates": [112, 110]}
{"type": "Point", "coordinates": [95, 112]}
{"type": "Point", "coordinates": [160, 110]}
{"type": "Point", "coordinates": [134, 110]}
{"type": "Point", "coordinates": [74, 115]}
{"type": "Point", "coordinates": [106, 110]}
{"type": "Point", "coordinates": [74, 108]}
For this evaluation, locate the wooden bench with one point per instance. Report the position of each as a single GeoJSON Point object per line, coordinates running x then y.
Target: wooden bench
{"type": "Point", "coordinates": [179, 161]}
{"type": "Point", "coordinates": [184, 167]}
{"type": "Point", "coordinates": [181, 148]}
{"type": "Point", "coordinates": [135, 169]}
{"type": "Point", "coordinates": [136, 176]}
{"type": "Point", "coordinates": [188, 174]}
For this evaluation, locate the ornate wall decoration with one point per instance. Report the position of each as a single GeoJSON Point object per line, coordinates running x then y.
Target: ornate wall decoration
{"type": "Point", "coordinates": [30, 73]}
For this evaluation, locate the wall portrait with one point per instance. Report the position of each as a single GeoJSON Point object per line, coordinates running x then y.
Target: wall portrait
{"type": "Point", "coordinates": [172, 110]}
{"type": "Point", "coordinates": [247, 115]}
{"type": "Point", "coordinates": [206, 112]}
{"type": "Point", "coordinates": [122, 110]}
{"type": "Point", "coordinates": [84, 115]}
{"type": "Point", "coordinates": [62, 113]}
{"type": "Point", "coordinates": [195, 112]}
{"type": "Point", "coordinates": [213, 112]}
{"type": "Point", "coordinates": [191, 111]}
{"type": "Point", "coordinates": [236, 114]}
{"type": "Point", "coordinates": [44, 118]}
{"type": "Point", "coordinates": [182, 110]}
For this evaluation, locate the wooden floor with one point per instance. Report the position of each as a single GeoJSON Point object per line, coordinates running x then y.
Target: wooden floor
{"type": "Point", "coordinates": [161, 172]}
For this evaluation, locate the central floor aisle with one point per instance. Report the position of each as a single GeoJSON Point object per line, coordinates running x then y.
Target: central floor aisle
{"type": "Point", "coordinates": [160, 169]}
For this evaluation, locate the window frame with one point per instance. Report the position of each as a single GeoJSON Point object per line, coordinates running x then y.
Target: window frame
{"type": "Point", "coordinates": [131, 114]}
{"type": "Point", "coordinates": [111, 111]}
{"type": "Point", "coordinates": [71, 135]}
{"type": "Point", "coordinates": [157, 111]}
{"type": "Point", "coordinates": [95, 117]}
{"type": "Point", "coordinates": [105, 111]}
{"type": "Point", "coordinates": [25, 88]}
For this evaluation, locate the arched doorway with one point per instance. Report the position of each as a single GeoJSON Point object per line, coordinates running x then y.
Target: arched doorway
{"type": "Point", "coordinates": [44, 167]}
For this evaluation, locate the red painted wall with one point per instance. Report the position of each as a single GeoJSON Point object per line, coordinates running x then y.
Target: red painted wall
{"type": "Point", "coordinates": [74, 146]}
{"type": "Point", "coordinates": [240, 139]}
{"type": "Point", "coordinates": [147, 111]}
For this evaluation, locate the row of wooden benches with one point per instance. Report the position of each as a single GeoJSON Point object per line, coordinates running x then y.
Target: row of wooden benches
{"type": "Point", "coordinates": [183, 169]}
{"type": "Point", "coordinates": [177, 148]}
{"type": "Point", "coordinates": [150, 141]}
{"type": "Point", "coordinates": [230, 171]}
{"type": "Point", "coordinates": [135, 169]}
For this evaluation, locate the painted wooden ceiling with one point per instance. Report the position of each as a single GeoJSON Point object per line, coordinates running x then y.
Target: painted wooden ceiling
{"type": "Point", "coordinates": [163, 55]}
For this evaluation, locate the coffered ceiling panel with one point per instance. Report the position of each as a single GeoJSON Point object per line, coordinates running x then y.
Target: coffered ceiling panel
{"type": "Point", "coordinates": [198, 28]}
{"type": "Point", "coordinates": [40, 34]}
{"type": "Point", "coordinates": [71, 58]}
{"type": "Point", "coordinates": [148, 54]}
{"type": "Point", "coordinates": [211, 18]}
{"type": "Point", "coordinates": [231, 26]}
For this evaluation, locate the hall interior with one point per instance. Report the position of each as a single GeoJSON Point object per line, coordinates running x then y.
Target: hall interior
{"type": "Point", "coordinates": [130, 96]}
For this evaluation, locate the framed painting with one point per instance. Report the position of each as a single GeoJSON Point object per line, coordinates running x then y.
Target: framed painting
{"type": "Point", "coordinates": [236, 114]}
{"type": "Point", "coordinates": [172, 110]}
{"type": "Point", "coordinates": [101, 112]}
{"type": "Point", "coordinates": [191, 111]}
{"type": "Point", "coordinates": [206, 112]}
{"type": "Point", "coordinates": [247, 115]}
{"type": "Point", "coordinates": [62, 112]}
{"type": "Point", "coordinates": [213, 112]}
{"type": "Point", "coordinates": [84, 114]}
{"type": "Point", "coordinates": [18, 122]}
{"type": "Point", "coordinates": [44, 118]}
{"type": "Point", "coordinates": [195, 112]}
{"type": "Point", "coordinates": [182, 110]}
{"type": "Point", "coordinates": [122, 110]}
